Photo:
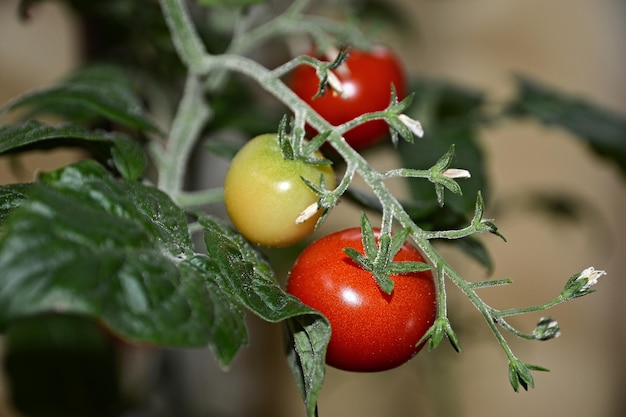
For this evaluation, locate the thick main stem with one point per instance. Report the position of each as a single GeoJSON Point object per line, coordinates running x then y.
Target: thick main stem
{"type": "Point", "coordinates": [193, 112]}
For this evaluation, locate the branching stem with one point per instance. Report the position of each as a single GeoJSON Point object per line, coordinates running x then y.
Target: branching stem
{"type": "Point", "coordinates": [193, 113]}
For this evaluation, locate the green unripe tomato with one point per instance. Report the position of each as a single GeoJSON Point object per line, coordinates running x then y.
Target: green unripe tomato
{"type": "Point", "coordinates": [264, 193]}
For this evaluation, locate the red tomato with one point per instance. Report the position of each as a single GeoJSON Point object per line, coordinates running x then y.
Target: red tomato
{"type": "Point", "coordinates": [371, 330]}
{"type": "Point", "coordinates": [366, 77]}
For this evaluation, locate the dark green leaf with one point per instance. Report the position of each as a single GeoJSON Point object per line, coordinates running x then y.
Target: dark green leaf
{"type": "Point", "coordinates": [128, 156]}
{"type": "Point", "coordinates": [83, 242]}
{"type": "Point", "coordinates": [94, 91]}
{"type": "Point", "coordinates": [11, 197]}
{"type": "Point", "coordinates": [602, 129]}
{"type": "Point", "coordinates": [307, 339]}
{"type": "Point", "coordinates": [246, 278]}
{"type": "Point", "coordinates": [86, 243]}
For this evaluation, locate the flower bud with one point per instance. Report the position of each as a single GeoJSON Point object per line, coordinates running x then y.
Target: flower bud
{"type": "Point", "coordinates": [456, 173]}
{"type": "Point", "coordinates": [580, 284]}
{"type": "Point", "coordinates": [414, 126]}
{"type": "Point", "coordinates": [547, 329]}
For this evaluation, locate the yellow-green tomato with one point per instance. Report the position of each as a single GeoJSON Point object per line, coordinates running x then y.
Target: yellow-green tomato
{"type": "Point", "coordinates": [264, 193]}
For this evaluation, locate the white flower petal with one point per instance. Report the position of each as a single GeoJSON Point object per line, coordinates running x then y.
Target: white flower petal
{"type": "Point", "coordinates": [413, 125]}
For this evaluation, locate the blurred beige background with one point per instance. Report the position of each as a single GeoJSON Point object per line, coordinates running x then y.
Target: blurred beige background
{"type": "Point", "coordinates": [575, 45]}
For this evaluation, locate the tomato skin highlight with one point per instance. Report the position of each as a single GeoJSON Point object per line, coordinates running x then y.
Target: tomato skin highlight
{"type": "Point", "coordinates": [371, 331]}
{"type": "Point", "coordinates": [366, 77]}
{"type": "Point", "coordinates": [264, 193]}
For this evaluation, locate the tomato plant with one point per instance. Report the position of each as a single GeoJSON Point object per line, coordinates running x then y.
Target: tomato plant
{"type": "Point", "coordinates": [371, 330]}
{"type": "Point", "coordinates": [127, 238]}
{"type": "Point", "coordinates": [265, 193]}
{"type": "Point", "coordinates": [367, 78]}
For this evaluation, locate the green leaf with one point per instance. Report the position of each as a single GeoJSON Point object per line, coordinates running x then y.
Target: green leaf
{"type": "Point", "coordinates": [246, 279]}
{"type": "Point", "coordinates": [86, 243]}
{"type": "Point", "coordinates": [602, 129]}
{"type": "Point", "coordinates": [83, 242]}
{"type": "Point", "coordinates": [128, 156]}
{"type": "Point", "coordinates": [306, 354]}
{"type": "Point", "coordinates": [11, 197]}
{"type": "Point", "coordinates": [92, 92]}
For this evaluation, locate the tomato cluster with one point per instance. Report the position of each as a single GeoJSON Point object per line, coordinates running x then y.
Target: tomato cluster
{"type": "Point", "coordinates": [264, 193]}
{"type": "Point", "coordinates": [367, 78]}
{"type": "Point", "coordinates": [371, 330]}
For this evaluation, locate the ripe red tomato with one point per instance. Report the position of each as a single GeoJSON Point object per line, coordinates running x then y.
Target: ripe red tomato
{"type": "Point", "coordinates": [366, 77]}
{"type": "Point", "coordinates": [371, 330]}
{"type": "Point", "coordinates": [264, 193]}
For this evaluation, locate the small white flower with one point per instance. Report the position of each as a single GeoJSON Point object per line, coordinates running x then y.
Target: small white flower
{"type": "Point", "coordinates": [307, 213]}
{"type": "Point", "coordinates": [591, 275]}
{"type": "Point", "coordinates": [457, 173]}
{"type": "Point", "coordinates": [335, 84]}
{"type": "Point", "coordinates": [413, 125]}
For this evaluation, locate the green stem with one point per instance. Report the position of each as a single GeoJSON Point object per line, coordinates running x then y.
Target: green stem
{"type": "Point", "coordinates": [192, 114]}
{"type": "Point", "coordinates": [450, 234]}
{"type": "Point", "coordinates": [186, 40]}
{"type": "Point", "coordinates": [442, 297]}
{"type": "Point", "coordinates": [291, 22]}
{"type": "Point", "coordinates": [407, 173]}
{"type": "Point", "coordinates": [192, 53]}
{"type": "Point", "coordinates": [373, 179]}
{"type": "Point", "coordinates": [200, 198]}
{"type": "Point", "coordinates": [513, 330]}
{"type": "Point", "coordinates": [531, 309]}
